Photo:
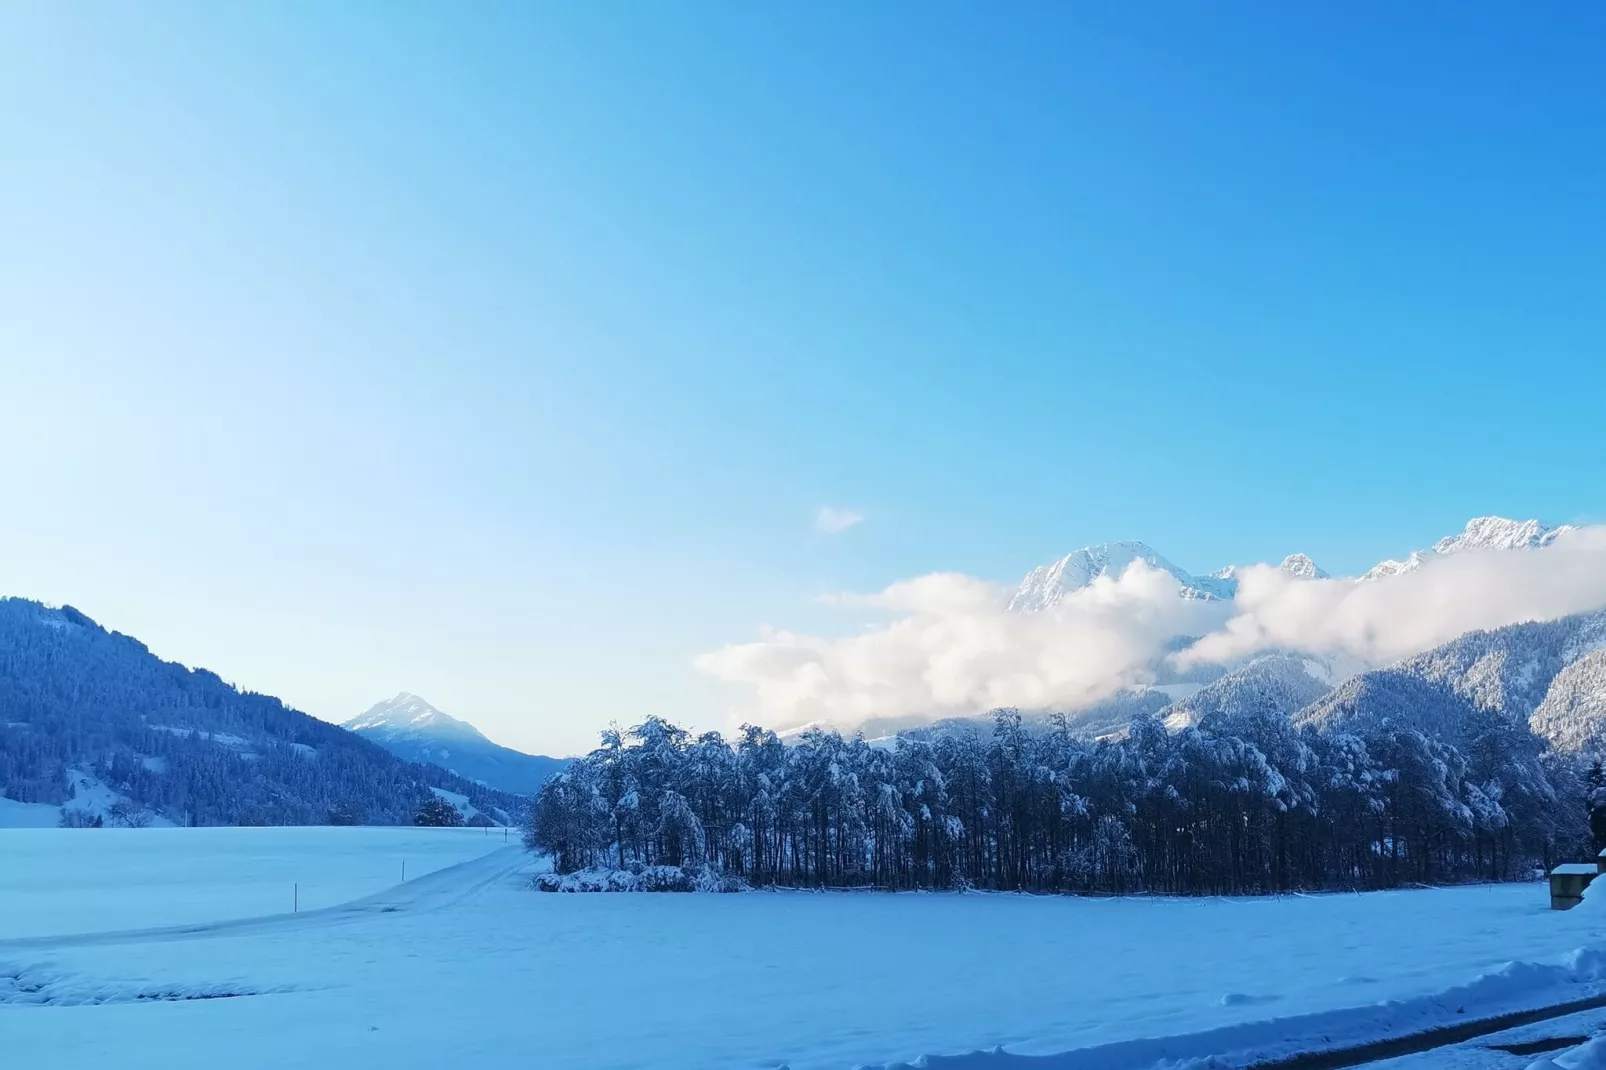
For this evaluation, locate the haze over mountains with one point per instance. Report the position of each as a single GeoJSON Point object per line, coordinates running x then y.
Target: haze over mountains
{"type": "Point", "coordinates": [412, 729]}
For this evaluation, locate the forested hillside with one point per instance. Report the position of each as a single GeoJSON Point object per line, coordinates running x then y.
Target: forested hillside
{"type": "Point", "coordinates": [182, 742]}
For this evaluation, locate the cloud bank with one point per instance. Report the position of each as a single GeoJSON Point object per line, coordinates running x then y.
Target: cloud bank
{"type": "Point", "coordinates": [833, 521]}
{"type": "Point", "coordinates": [953, 648]}
{"type": "Point", "coordinates": [1383, 620]}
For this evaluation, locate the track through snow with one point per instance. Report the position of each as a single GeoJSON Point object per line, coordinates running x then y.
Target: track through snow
{"type": "Point", "coordinates": [468, 967]}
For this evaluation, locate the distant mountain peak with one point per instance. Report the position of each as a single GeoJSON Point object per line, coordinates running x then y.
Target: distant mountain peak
{"type": "Point", "coordinates": [412, 729]}
{"type": "Point", "coordinates": [1046, 585]}
{"type": "Point", "coordinates": [408, 715]}
{"type": "Point", "coordinates": [1498, 533]}
{"type": "Point", "coordinates": [1302, 567]}
{"type": "Point", "coordinates": [1480, 533]}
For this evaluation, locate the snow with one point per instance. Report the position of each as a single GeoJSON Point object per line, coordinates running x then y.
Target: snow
{"type": "Point", "coordinates": [89, 794]}
{"type": "Point", "coordinates": [1301, 567]}
{"type": "Point", "coordinates": [57, 881]}
{"type": "Point", "coordinates": [449, 969]}
{"type": "Point", "coordinates": [407, 716]}
{"type": "Point", "coordinates": [464, 807]}
{"type": "Point", "coordinates": [1046, 585]}
{"type": "Point", "coordinates": [226, 739]}
{"type": "Point", "coordinates": [1575, 868]}
{"type": "Point", "coordinates": [1590, 1056]}
{"type": "Point", "coordinates": [1482, 533]}
{"type": "Point", "coordinates": [21, 815]}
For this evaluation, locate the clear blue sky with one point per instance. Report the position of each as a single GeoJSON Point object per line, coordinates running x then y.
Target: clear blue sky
{"type": "Point", "coordinates": [506, 352]}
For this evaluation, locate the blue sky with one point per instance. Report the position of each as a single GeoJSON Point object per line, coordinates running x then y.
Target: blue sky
{"type": "Point", "coordinates": [507, 354]}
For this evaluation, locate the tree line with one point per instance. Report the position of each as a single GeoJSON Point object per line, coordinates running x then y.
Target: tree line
{"type": "Point", "coordinates": [1240, 804]}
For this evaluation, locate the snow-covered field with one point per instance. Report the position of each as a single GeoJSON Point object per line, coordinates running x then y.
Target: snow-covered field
{"type": "Point", "coordinates": [467, 967]}
{"type": "Point", "coordinates": [60, 881]}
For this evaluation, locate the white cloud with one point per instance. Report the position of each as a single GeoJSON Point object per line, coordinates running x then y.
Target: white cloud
{"type": "Point", "coordinates": [833, 521]}
{"type": "Point", "coordinates": [1384, 620]}
{"type": "Point", "coordinates": [957, 649]}
{"type": "Point", "coordinates": [953, 648]}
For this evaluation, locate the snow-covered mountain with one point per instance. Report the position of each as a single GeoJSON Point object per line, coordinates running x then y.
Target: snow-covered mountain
{"type": "Point", "coordinates": [1547, 675]}
{"type": "Point", "coordinates": [409, 717]}
{"type": "Point", "coordinates": [1045, 585]}
{"type": "Point", "coordinates": [1302, 567]}
{"type": "Point", "coordinates": [411, 728]}
{"type": "Point", "coordinates": [1550, 674]}
{"type": "Point", "coordinates": [1573, 713]}
{"type": "Point", "coordinates": [1272, 683]}
{"type": "Point", "coordinates": [1481, 533]}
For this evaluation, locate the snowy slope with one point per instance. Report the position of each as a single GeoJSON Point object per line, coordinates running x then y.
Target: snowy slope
{"type": "Point", "coordinates": [1510, 669]}
{"type": "Point", "coordinates": [1573, 713]}
{"type": "Point", "coordinates": [1546, 675]}
{"type": "Point", "coordinates": [1271, 684]}
{"type": "Point", "coordinates": [1390, 697]}
{"type": "Point", "coordinates": [411, 728]}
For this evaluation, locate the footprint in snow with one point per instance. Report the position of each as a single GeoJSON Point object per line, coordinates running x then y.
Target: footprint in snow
{"type": "Point", "coordinates": [1244, 999]}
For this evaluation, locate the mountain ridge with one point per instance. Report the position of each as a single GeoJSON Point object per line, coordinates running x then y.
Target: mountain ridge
{"type": "Point", "coordinates": [81, 702]}
{"type": "Point", "coordinates": [1044, 586]}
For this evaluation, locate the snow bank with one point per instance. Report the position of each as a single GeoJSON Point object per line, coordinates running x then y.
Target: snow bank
{"type": "Point", "coordinates": [1593, 905]}
{"type": "Point", "coordinates": [640, 879]}
{"type": "Point", "coordinates": [1590, 1056]}
{"type": "Point", "coordinates": [42, 987]}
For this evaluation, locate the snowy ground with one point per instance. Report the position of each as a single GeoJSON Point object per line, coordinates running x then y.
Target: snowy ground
{"type": "Point", "coordinates": [60, 881]}
{"type": "Point", "coordinates": [466, 967]}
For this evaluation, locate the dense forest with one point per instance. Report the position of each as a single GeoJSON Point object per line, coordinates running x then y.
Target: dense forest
{"type": "Point", "coordinates": [182, 742]}
{"type": "Point", "coordinates": [1244, 803]}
